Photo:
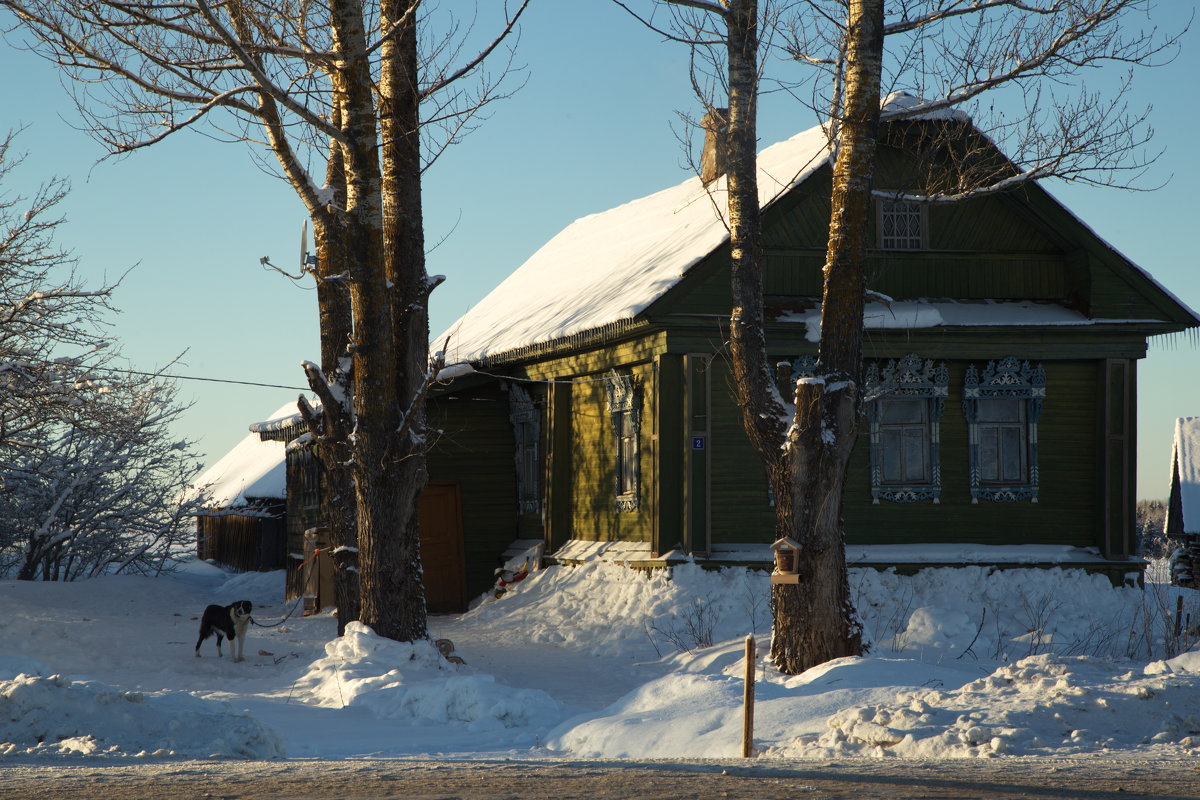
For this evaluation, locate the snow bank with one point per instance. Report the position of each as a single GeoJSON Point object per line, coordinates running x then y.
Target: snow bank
{"type": "Point", "coordinates": [980, 613]}
{"type": "Point", "coordinates": [1039, 705]}
{"type": "Point", "coordinates": [49, 715]}
{"type": "Point", "coordinates": [600, 660]}
{"type": "Point", "coordinates": [412, 683]}
{"type": "Point", "coordinates": [964, 662]}
{"type": "Point", "coordinates": [610, 610]}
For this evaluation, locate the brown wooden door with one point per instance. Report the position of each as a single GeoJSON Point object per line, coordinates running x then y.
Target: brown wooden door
{"type": "Point", "coordinates": [442, 554]}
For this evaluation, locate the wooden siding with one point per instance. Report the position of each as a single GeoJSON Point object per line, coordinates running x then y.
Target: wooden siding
{"type": "Point", "coordinates": [740, 502]}
{"type": "Point", "coordinates": [594, 515]}
{"type": "Point", "coordinates": [476, 450]}
{"type": "Point", "coordinates": [304, 573]}
{"type": "Point", "coordinates": [1068, 511]}
{"type": "Point", "coordinates": [963, 276]}
{"type": "Point", "coordinates": [580, 481]}
{"type": "Point", "coordinates": [244, 543]}
{"type": "Point", "coordinates": [997, 223]}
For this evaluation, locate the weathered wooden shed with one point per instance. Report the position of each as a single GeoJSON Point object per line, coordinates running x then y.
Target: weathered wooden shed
{"type": "Point", "coordinates": [1183, 507]}
{"type": "Point", "coordinates": [243, 522]}
{"type": "Point", "coordinates": [1003, 348]}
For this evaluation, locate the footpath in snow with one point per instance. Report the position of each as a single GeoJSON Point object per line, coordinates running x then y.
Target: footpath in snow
{"type": "Point", "coordinates": [601, 661]}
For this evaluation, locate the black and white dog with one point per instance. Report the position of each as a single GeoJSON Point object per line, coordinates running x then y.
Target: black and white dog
{"type": "Point", "coordinates": [229, 621]}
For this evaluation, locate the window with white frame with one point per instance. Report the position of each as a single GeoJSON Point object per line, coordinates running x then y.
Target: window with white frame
{"type": "Point", "coordinates": [901, 225]}
{"type": "Point", "coordinates": [904, 409]}
{"type": "Point", "coordinates": [523, 414]}
{"type": "Point", "coordinates": [1002, 405]}
{"type": "Point", "coordinates": [624, 407]}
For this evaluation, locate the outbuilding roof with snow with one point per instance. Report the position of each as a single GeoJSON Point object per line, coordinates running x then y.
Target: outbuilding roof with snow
{"type": "Point", "coordinates": [252, 470]}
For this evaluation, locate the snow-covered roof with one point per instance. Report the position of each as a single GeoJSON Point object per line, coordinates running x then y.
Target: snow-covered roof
{"type": "Point", "coordinates": [1185, 461]}
{"type": "Point", "coordinates": [609, 267]}
{"type": "Point", "coordinates": [910, 314]}
{"type": "Point", "coordinates": [253, 469]}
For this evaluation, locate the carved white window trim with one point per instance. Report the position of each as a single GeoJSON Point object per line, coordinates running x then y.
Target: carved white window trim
{"type": "Point", "coordinates": [1008, 378]}
{"type": "Point", "coordinates": [911, 378]}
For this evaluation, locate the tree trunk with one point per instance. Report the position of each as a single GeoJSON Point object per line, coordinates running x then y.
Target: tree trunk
{"type": "Point", "coordinates": [385, 500]}
{"type": "Point", "coordinates": [815, 620]}
{"type": "Point", "coordinates": [762, 414]}
{"type": "Point", "coordinates": [396, 605]}
{"type": "Point", "coordinates": [336, 422]}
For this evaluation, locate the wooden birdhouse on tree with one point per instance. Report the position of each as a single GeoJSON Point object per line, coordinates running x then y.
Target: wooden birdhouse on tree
{"type": "Point", "coordinates": [787, 552]}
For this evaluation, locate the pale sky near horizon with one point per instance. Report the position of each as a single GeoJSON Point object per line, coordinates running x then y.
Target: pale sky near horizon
{"type": "Point", "coordinates": [593, 127]}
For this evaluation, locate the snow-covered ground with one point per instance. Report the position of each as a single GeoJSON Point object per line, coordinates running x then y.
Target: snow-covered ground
{"type": "Point", "coordinates": [602, 661]}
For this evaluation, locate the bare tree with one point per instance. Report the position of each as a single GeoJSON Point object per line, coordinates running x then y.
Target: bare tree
{"type": "Point", "coordinates": [373, 92]}
{"type": "Point", "coordinates": [51, 325]}
{"type": "Point", "coordinates": [952, 52]}
{"type": "Point", "coordinates": [90, 476]}
{"type": "Point", "coordinates": [100, 493]}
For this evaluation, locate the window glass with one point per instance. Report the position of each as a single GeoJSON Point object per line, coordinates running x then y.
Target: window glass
{"type": "Point", "coordinates": [898, 412]}
{"type": "Point", "coordinates": [1001, 409]}
{"type": "Point", "coordinates": [900, 225]}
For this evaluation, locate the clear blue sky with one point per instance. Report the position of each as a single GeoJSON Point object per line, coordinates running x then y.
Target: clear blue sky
{"type": "Point", "coordinates": [592, 128]}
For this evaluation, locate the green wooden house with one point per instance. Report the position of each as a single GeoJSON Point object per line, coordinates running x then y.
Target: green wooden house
{"type": "Point", "coordinates": [1001, 351]}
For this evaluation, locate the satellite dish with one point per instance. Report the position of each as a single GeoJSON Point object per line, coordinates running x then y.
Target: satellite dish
{"type": "Point", "coordinates": [306, 260]}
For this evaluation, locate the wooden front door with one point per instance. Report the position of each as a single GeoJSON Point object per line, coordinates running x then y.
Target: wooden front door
{"type": "Point", "coordinates": [442, 554]}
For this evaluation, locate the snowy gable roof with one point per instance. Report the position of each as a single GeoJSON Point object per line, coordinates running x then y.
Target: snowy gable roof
{"type": "Point", "coordinates": [609, 267]}
{"type": "Point", "coordinates": [1185, 465]}
{"type": "Point", "coordinates": [253, 469]}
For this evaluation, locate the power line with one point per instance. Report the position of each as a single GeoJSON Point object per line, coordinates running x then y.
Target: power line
{"type": "Point", "coordinates": [99, 368]}
{"type": "Point", "coordinates": [198, 378]}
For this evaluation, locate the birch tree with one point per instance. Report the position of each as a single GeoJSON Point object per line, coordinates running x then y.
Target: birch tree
{"type": "Point", "coordinates": [373, 92]}
{"type": "Point", "coordinates": [952, 52]}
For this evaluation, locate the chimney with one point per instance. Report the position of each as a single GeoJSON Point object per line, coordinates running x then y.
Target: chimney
{"type": "Point", "coordinates": [713, 161]}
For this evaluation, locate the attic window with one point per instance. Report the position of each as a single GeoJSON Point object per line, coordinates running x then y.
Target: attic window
{"type": "Point", "coordinates": [904, 422]}
{"type": "Point", "coordinates": [624, 407]}
{"type": "Point", "coordinates": [1002, 406]}
{"type": "Point", "coordinates": [901, 225]}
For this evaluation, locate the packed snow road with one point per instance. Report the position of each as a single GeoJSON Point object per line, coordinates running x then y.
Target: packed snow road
{"type": "Point", "coordinates": [1078, 779]}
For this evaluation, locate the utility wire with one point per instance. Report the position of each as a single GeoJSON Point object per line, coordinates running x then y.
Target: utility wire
{"type": "Point", "coordinates": [100, 368]}
{"type": "Point", "coordinates": [198, 378]}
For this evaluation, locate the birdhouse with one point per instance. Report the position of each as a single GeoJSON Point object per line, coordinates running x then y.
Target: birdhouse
{"type": "Point", "coordinates": [787, 552]}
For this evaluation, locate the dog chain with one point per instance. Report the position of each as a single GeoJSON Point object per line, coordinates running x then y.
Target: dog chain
{"type": "Point", "coordinates": [285, 619]}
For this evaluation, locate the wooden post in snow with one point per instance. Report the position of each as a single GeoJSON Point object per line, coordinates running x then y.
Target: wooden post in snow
{"type": "Point", "coordinates": [748, 701]}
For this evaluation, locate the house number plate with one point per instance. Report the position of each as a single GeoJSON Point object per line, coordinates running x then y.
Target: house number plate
{"type": "Point", "coordinates": [697, 442]}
